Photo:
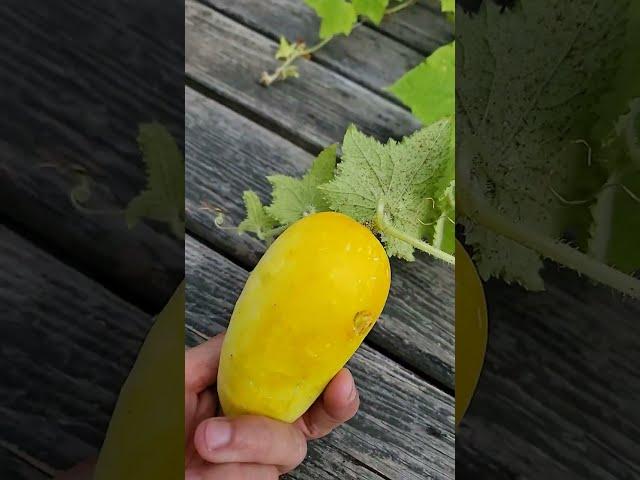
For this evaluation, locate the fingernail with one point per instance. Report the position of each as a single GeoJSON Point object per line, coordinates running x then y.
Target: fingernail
{"type": "Point", "coordinates": [217, 434]}
{"type": "Point", "coordinates": [192, 475]}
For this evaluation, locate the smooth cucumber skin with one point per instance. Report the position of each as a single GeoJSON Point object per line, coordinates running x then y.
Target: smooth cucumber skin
{"type": "Point", "coordinates": [303, 312]}
{"type": "Point", "coordinates": [145, 438]}
{"type": "Point", "coordinates": [471, 330]}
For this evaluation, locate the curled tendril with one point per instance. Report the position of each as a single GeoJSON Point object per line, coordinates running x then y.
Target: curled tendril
{"type": "Point", "coordinates": [593, 198]}
{"type": "Point", "coordinates": [81, 192]}
{"type": "Point", "coordinates": [630, 193]}
{"type": "Point", "coordinates": [219, 217]}
{"type": "Point", "coordinates": [433, 206]}
{"type": "Point", "coordinates": [589, 151]}
{"type": "Point", "coordinates": [425, 223]}
{"type": "Point", "coordinates": [567, 202]}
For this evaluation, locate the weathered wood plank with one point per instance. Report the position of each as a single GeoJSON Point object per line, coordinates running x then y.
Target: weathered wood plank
{"type": "Point", "coordinates": [404, 429]}
{"type": "Point", "coordinates": [78, 101]}
{"type": "Point", "coordinates": [13, 467]}
{"type": "Point", "coordinates": [419, 26]}
{"type": "Point", "coordinates": [227, 153]}
{"type": "Point", "coordinates": [67, 346]}
{"type": "Point", "coordinates": [227, 58]}
{"type": "Point", "coordinates": [560, 387]}
{"type": "Point", "coordinates": [366, 56]}
{"type": "Point", "coordinates": [326, 461]}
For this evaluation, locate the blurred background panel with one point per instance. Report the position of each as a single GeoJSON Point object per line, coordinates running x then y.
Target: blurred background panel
{"type": "Point", "coordinates": [548, 172]}
{"type": "Point", "coordinates": [79, 286]}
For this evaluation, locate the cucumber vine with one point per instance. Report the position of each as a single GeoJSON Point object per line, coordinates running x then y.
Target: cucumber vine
{"type": "Point", "coordinates": [338, 17]}
{"type": "Point", "coordinates": [162, 199]}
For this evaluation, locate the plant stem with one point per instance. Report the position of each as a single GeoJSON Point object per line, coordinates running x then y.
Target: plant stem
{"type": "Point", "coordinates": [272, 233]}
{"type": "Point", "coordinates": [480, 211]}
{"type": "Point", "coordinates": [398, 8]}
{"type": "Point", "coordinates": [388, 229]}
{"type": "Point", "coordinates": [316, 47]}
{"type": "Point", "coordinates": [268, 79]}
{"type": "Point", "coordinates": [438, 234]}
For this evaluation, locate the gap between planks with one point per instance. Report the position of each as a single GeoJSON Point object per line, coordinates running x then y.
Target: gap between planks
{"type": "Point", "coordinates": [317, 60]}
{"type": "Point", "coordinates": [69, 262]}
{"type": "Point", "coordinates": [397, 38]}
{"type": "Point", "coordinates": [252, 115]}
{"type": "Point", "coordinates": [27, 459]}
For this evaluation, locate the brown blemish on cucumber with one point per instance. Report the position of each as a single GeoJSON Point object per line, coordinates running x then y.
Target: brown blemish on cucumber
{"type": "Point", "coordinates": [362, 321]}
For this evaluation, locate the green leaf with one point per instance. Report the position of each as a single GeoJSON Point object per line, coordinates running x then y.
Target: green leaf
{"type": "Point", "coordinates": [403, 176]}
{"type": "Point", "coordinates": [258, 221]}
{"type": "Point", "coordinates": [337, 16]}
{"type": "Point", "coordinates": [295, 198]}
{"type": "Point", "coordinates": [624, 85]}
{"type": "Point", "coordinates": [163, 198]}
{"type": "Point", "coordinates": [448, 6]}
{"type": "Point", "coordinates": [521, 106]}
{"type": "Point", "coordinates": [373, 9]}
{"type": "Point", "coordinates": [285, 49]}
{"type": "Point", "coordinates": [429, 88]}
{"type": "Point", "coordinates": [290, 72]}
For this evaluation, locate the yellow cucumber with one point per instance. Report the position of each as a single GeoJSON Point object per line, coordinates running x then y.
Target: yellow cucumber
{"type": "Point", "coordinates": [305, 309]}
{"type": "Point", "coordinates": [471, 330]}
{"type": "Point", "coordinates": [145, 438]}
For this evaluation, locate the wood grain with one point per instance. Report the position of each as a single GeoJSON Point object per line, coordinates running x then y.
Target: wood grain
{"type": "Point", "coordinates": [404, 429]}
{"type": "Point", "coordinates": [419, 27]}
{"type": "Point", "coordinates": [67, 346]}
{"type": "Point", "coordinates": [227, 58]}
{"type": "Point", "coordinates": [227, 154]}
{"type": "Point", "coordinates": [12, 467]}
{"type": "Point", "coordinates": [76, 100]}
{"type": "Point", "coordinates": [560, 387]}
{"type": "Point", "coordinates": [366, 55]}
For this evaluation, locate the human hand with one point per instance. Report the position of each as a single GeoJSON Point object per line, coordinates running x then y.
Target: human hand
{"type": "Point", "coordinates": [251, 447]}
{"type": "Point", "coordinates": [82, 471]}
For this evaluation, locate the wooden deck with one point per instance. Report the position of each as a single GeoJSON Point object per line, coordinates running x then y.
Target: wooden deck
{"type": "Point", "coordinates": [237, 132]}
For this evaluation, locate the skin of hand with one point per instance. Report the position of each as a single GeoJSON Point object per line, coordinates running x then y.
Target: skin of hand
{"type": "Point", "coordinates": [251, 447]}
{"type": "Point", "coordinates": [82, 471]}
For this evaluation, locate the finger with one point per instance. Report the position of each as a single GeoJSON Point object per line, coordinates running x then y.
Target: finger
{"type": "Point", "coordinates": [251, 439]}
{"type": "Point", "coordinates": [233, 471]}
{"type": "Point", "coordinates": [198, 408]}
{"type": "Point", "coordinates": [207, 403]}
{"type": "Point", "coordinates": [190, 411]}
{"type": "Point", "coordinates": [339, 402]}
{"type": "Point", "coordinates": [201, 364]}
